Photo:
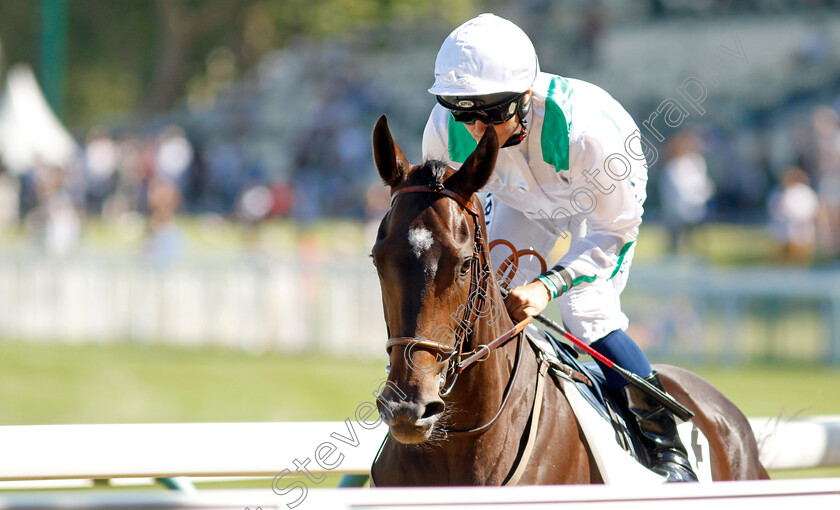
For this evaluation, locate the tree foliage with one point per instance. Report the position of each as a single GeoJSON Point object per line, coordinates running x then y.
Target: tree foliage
{"type": "Point", "coordinates": [143, 56]}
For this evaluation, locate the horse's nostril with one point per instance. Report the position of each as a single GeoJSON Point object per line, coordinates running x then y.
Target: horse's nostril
{"type": "Point", "coordinates": [434, 408]}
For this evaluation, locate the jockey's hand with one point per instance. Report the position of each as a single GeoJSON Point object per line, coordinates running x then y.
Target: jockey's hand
{"type": "Point", "coordinates": [527, 300]}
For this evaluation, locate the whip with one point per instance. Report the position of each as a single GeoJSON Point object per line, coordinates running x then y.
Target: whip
{"type": "Point", "coordinates": [660, 396]}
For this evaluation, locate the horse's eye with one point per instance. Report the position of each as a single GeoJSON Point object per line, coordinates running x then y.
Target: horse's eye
{"type": "Point", "coordinates": [465, 267]}
{"type": "Point", "coordinates": [372, 259]}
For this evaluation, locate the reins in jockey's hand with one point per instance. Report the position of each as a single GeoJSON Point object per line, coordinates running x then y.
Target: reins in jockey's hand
{"type": "Point", "coordinates": [652, 391]}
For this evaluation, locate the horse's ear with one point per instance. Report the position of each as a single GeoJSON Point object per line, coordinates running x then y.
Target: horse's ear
{"type": "Point", "coordinates": [476, 170]}
{"type": "Point", "coordinates": [390, 161]}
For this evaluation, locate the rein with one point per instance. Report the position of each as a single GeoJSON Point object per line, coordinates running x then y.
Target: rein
{"type": "Point", "coordinates": [505, 397]}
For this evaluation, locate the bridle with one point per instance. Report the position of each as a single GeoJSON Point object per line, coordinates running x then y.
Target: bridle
{"type": "Point", "coordinates": [457, 359]}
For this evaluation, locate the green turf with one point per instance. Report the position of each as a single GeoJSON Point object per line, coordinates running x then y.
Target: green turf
{"type": "Point", "coordinates": [51, 384]}
{"type": "Point", "coordinates": [777, 390]}
{"type": "Point", "coordinates": [123, 383]}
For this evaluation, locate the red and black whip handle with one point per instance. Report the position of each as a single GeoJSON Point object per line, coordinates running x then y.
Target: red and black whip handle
{"type": "Point", "coordinates": [652, 391]}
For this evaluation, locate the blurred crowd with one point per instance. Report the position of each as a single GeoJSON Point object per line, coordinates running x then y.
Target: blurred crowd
{"type": "Point", "coordinates": [131, 176]}
{"type": "Point", "coordinates": [802, 196]}
{"type": "Point", "coordinates": [152, 178]}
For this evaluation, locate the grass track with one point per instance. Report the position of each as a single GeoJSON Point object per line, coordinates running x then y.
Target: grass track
{"type": "Point", "coordinates": [51, 384]}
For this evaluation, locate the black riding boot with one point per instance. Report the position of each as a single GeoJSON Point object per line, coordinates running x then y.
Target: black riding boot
{"type": "Point", "coordinates": [666, 454]}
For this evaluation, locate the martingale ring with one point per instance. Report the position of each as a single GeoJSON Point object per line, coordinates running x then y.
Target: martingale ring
{"type": "Point", "coordinates": [511, 262]}
{"type": "Point", "coordinates": [486, 348]}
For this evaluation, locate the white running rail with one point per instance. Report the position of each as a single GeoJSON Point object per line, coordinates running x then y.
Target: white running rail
{"type": "Point", "coordinates": [52, 452]}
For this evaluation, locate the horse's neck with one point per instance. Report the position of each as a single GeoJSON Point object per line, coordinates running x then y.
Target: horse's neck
{"type": "Point", "coordinates": [480, 389]}
{"type": "Point", "coordinates": [481, 386]}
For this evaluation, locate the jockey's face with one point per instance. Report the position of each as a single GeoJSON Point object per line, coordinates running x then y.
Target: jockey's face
{"type": "Point", "coordinates": [503, 131]}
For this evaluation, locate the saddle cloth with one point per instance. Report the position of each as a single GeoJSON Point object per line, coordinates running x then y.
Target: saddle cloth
{"type": "Point", "coordinates": [604, 428]}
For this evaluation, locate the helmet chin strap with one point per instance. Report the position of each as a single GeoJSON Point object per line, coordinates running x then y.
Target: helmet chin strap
{"type": "Point", "coordinates": [516, 138]}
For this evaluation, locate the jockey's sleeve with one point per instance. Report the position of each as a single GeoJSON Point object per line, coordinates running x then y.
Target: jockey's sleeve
{"type": "Point", "coordinates": [612, 184]}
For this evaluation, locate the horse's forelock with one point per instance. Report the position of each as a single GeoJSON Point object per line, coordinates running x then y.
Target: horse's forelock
{"type": "Point", "coordinates": [432, 172]}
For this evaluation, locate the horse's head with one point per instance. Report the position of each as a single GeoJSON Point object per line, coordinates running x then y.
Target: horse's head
{"type": "Point", "coordinates": [431, 260]}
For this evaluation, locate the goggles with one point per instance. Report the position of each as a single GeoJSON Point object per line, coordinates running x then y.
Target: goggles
{"type": "Point", "coordinates": [489, 109]}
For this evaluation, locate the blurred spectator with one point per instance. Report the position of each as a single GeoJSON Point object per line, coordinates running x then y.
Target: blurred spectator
{"type": "Point", "coordinates": [333, 149]}
{"type": "Point", "coordinates": [165, 242]}
{"type": "Point", "coordinates": [9, 192]}
{"type": "Point", "coordinates": [54, 222]}
{"type": "Point", "coordinates": [196, 181]}
{"type": "Point", "coordinates": [174, 154]}
{"type": "Point", "coordinates": [818, 145]}
{"type": "Point", "coordinates": [128, 193]}
{"type": "Point", "coordinates": [685, 189]}
{"type": "Point", "coordinates": [793, 208]}
{"type": "Point", "coordinates": [100, 158]}
{"type": "Point", "coordinates": [738, 165]}
{"type": "Point", "coordinates": [284, 199]}
{"type": "Point", "coordinates": [223, 160]}
{"type": "Point", "coordinates": [826, 139]}
{"type": "Point", "coordinates": [255, 204]}
{"type": "Point", "coordinates": [27, 193]}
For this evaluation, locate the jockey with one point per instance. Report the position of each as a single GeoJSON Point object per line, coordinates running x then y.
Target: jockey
{"type": "Point", "coordinates": [571, 166]}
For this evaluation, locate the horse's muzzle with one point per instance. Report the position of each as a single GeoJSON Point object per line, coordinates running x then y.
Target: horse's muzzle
{"type": "Point", "coordinates": [410, 422]}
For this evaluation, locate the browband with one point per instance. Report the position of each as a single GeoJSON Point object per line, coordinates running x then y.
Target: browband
{"type": "Point", "coordinates": [464, 202]}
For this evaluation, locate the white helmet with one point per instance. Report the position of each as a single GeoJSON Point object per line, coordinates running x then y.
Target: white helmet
{"type": "Point", "coordinates": [485, 55]}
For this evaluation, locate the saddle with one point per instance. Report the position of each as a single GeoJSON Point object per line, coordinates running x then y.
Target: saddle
{"type": "Point", "coordinates": [590, 382]}
{"type": "Point", "coordinates": [599, 414]}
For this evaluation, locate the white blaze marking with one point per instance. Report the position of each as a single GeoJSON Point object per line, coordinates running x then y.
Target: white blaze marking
{"type": "Point", "coordinates": [420, 240]}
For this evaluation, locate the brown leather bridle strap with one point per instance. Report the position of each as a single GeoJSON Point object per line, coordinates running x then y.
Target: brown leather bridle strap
{"type": "Point", "coordinates": [484, 350]}
{"type": "Point", "coordinates": [414, 341]}
{"type": "Point", "coordinates": [464, 202]}
{"type": "Point", "coordinates": [479, 354]}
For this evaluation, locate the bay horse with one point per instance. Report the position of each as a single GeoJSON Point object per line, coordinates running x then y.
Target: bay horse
{"type": "Point", "coordinates": [451, 419]}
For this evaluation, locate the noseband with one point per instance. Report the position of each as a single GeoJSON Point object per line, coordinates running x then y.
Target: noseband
{"type": "Point", "coordinates": [479, 269]}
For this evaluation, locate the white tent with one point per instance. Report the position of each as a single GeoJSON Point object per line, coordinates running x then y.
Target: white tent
{"type": "Point", "coordinates": [29, 131]}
